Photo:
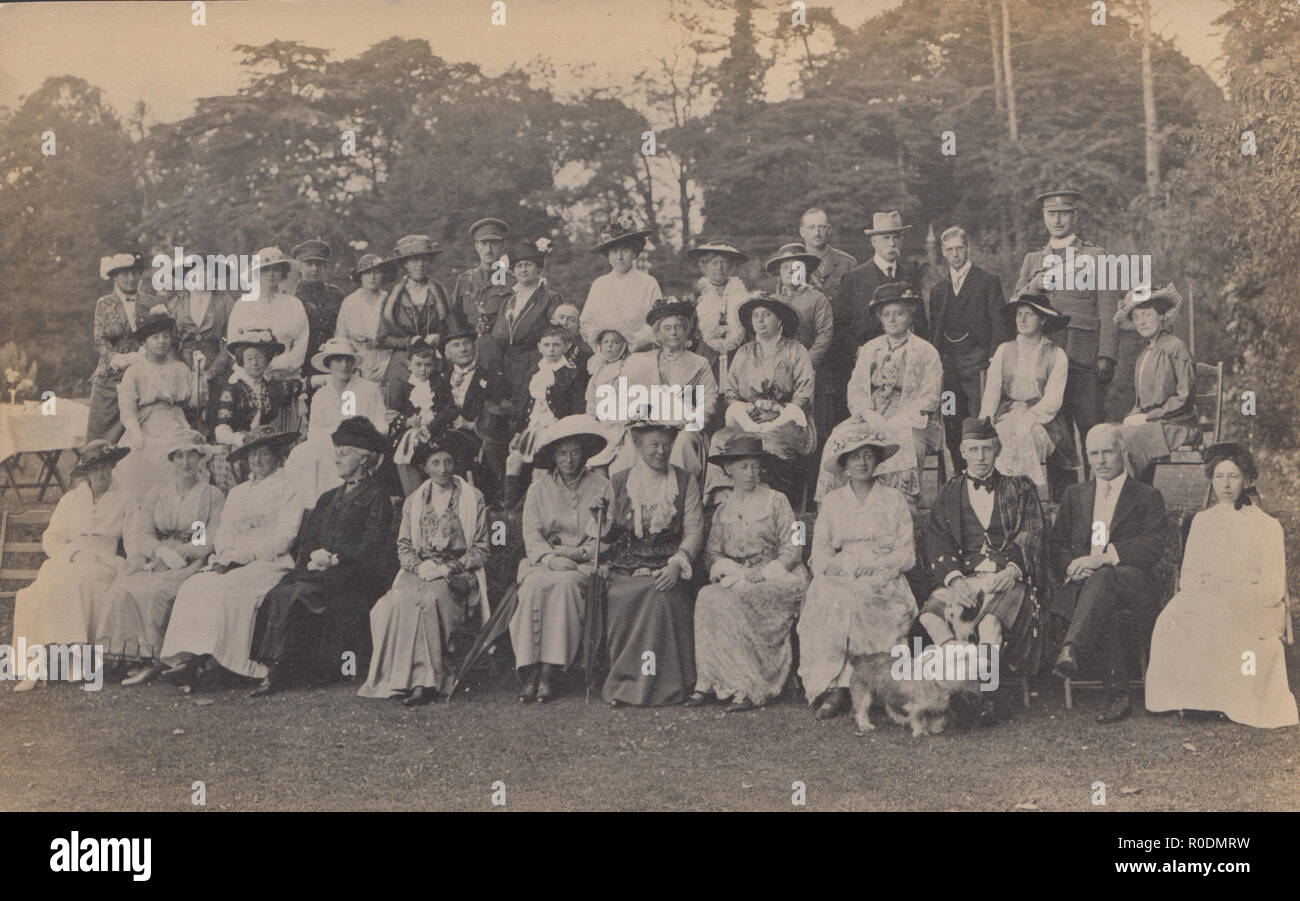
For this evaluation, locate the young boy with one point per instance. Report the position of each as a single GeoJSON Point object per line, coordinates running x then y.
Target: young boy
{"type": "Point", "coordinates": [554, 389]}
{"type": "Point", "coordinates": [422, 405]}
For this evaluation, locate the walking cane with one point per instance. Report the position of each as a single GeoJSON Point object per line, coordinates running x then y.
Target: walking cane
{"type": "Point", "coordinates": [596, 601]}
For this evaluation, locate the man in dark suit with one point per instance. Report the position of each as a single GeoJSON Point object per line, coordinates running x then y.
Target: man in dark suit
{"type": "Point", "coordinates": [321, 301]}
{"type": "Point", "coordinates": [470, 385]}
{"type": "Point", "coordinates": [855, 323]}
{"type": "Point", "coordinates": [1108, 537]}
{"type": "Point", "coordinates": [966, 328]}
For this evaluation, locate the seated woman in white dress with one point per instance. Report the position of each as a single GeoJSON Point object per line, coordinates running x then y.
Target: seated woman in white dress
{"type": "Point", "coordinates": [1025, 390]}
{"type": "Point", "coordinates": [559, 524]}
{"type": "Point", "coordinates": [1218, 644]}
{"type": "Point", "coordinates": [166, 542]}
{"type": "Point", "coordinates": [215, 611]}
{"type": "Point", "coordinates": [858, 602]}
{"type": "Point", "coordinates": [895, 386]}
{"type": "Point", "coordinates": [442, 544]}
{"type": "Point", "coordinates": [344, 394]}
{"type": "Point", "coordinates": [744, 616]}
{"type": "Point", "coordinates": [65, 605]}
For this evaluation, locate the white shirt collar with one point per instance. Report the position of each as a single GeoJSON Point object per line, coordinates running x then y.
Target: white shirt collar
{"type": "Point", "coordinates": [1116, 484]}
{"type": "Point", "coordinates": [884, 265]}
{"type": "Point", "coordinates": [1061, 243]}
{"type": "Point", "coordinates": [959, 275]}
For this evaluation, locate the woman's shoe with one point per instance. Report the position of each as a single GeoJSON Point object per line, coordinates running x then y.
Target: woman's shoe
{"type": "Point", "coordinates": [741, 704]}
{"type": "Point", "coordinates": [697, 699]}
{"type": "Point", "coordinates": [544, 690]}
{"type": "Point", "coordinates": [835, 703]}
{"type": "Point", "coordinates": [27, 685]}
{"type": "Point", "coordinates": [530, 676]}
{"type": "Point", "coordinates": [419, 695]}
{"type": "Point", "coordinates": [144, 675]}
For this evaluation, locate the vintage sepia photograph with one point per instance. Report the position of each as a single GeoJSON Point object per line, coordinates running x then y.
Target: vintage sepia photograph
{"type": "Point", "coordinates": [671, 405]}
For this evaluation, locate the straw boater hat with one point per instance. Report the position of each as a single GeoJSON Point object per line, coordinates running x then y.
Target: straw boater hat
{"type": "Point", "coordinates": [788, 315]}
{"type": "Point", "coordinates": [357, 431]}
{"type": "Point", "coordinates": [1060, 200]}
{"type": "Point", "coordinates": [664, 307]}
{"type": "Point", "coordinates": [255, 337]}
{"type": "Point", "coordinates": [263, 436]}
{"type": "Point", "coordinates": [337, 346]}
{"type": "Point", "coordinates": [793, 252]}
{"type": "Point", "coordinates": [157, 321]}
{"type": "Point", "coordinates": [742, 446]}
{"type": "Point", "coordinates": [268, 257]}
{"type": "Point", "coordinates": [413, 246]}
{"type": "Point", "coordinates": [313, 250]}
{"type": "Point", "coordinates": [581, 426]}
{"type": "Point", "coordinates": [120, 262]}
{"type": "Point", "coordinates": [1037, 300]}
{"type": "Point", "coordinates": [98, 451]}
{"type": "Point", "coordinates": [190, 440]}
{"type": "Point", "coordinates": [535, 251]}
{"type": "Point", "coordinates": [458, 444]}
{"type": "Point", "coordinates": [622, 230]}
{"type": "Point", "coordinates": [850, 435]}
{"type": "Point", "coordinates": [1167, 302]}
{"type": "Point", "coordinates": [369, 263]}
{"type": "Point", "coordinates": [726, 248]}
{"type": "Point", "coordinates": [890, 223]}
{"type": "Point", "coordinates": [489, 229]}
{"type": "Point", "coordinates": [894, 292]}
{"type": "Point", "coordinates": [455, 326]}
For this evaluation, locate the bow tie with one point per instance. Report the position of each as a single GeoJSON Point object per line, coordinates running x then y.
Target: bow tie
{"type": "Point", "coordinates": [981, 484]}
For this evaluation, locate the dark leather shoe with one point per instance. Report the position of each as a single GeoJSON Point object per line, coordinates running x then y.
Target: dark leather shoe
{"type": "Point", "coordinates": [419, 695]}
{"type": "Point", "coordinates": [1066, 666]}
{"type": "Point", "coordinates": [544, 690]}
{"type": "Point", "coordinates": [834, 704]}
{"type": "Point", "coordinates": [697, 699]}
{"type": "Point", "coordinates": [740, 705]}
{"type": "Point", "coordinates": [1119, 707]}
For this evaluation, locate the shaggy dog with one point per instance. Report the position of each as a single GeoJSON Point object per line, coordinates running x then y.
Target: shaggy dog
{"type": "Point", "coordinates": [923, 704]}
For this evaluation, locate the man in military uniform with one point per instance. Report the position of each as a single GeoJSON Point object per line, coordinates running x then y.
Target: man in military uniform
{"type": "Point", "coordinates": [476, 296]}
{"type": "Point", "coordinates": [855, 323]}
{"type": "Point", "coordinates": [815, 229]}
{"type": "Point", "coordinates": [1091, 339]}
{"type": "Point", "coordinates": [320, 301]}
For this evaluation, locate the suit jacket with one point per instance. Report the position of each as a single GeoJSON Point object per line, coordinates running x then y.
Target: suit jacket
{"type": "Point", "coordinates": [970, 318]}
{"type": "Point", "coordinates": [1092, 331]}
{"type": "Point", "coordinates": [484, 386]}
{"type": "Point", "coordinates": [114, 335]}
{"type": "Point", "coordinates": [855, 325]}
{"type": "Point", "coordinates": [513, 348]}
{"type": "Point", "coordinates": [1139, 529]}
{"type": "Point", "coordinates": [1016, 503]}
{"type": "Point", "coordinates": [567, 396]}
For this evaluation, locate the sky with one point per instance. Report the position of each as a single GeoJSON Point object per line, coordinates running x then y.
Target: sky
{"type": "Point", "coordinates": [152, 52]}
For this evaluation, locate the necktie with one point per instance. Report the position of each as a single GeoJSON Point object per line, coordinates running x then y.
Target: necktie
{"type": "Point", "coordinates": [458, 377]}
{"type": "Point", "coordinates": [890, 273]}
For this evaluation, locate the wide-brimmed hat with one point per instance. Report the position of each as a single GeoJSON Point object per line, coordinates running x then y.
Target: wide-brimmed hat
{"type": "Point", "coordinates": [262, 436]}
{"type": "Point", "coordinates": [413, 246]}
{"type": "Point", "coordinates": [726, 248]}
{"type": "Point", "coordinates": [338, 346]}
{"type": "Point", "coordinates": [190, 440]}
{"type": "Point", "coordinates": [357, 431]}
{"type": "Point", "coordinates": [1237, 453]}
{"type": "Point", "coordinates": [157, 321]}
{"type": "Point", "coordinates": [669, 306]}
{"type": "Point", "coordinates": [271, 256]}
{"type": "Point", "coordinates": [894, 292]}
{"type": "Point", "coordinates": [742, 446]}
{"type": "Point", "coordinates": [535, 251]}
{"type": "Point", "coordinates": [255, 337]}
{"type": "Point", "coordinates": [788, 315]}
{"type": "Point", "coordinates": [1053, 321]}
{"type": "Point", "coordinates": [457, 443]}
{"type": "Point", "coordinates": [850, 435]}
{"type": "Point", "coordinates": [455, 326]}
{"type": "Point", "coordinates": [120, 262]}
{"type": "Point", "coordinates": [1167, 302]}
{"type": "Point", "coordinates": [311, 250]}
{"type": "Point", "coordinates": [622, 230]}
{"type": "Point", "coordinates": [369, 263]}
{"type": "Point", "coordinates": [581, 426]}
{"type": "Point", "coordinates": [489, 229]}
{"type": "Point", "coordinates": [1059, 200]}
{"type": "Point", "coordinates": [793, 252]}
{"type": "Point", "coordinates": [639, 420]}
{"type": "Point", "coordinates": [496, 422]}
{"type": "Point", "coordinates": [890, 223]}
{"type": "Point", "coordinates": [92, 453]}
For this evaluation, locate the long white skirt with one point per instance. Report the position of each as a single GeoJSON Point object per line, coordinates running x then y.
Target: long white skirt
{"type": "Point", "coordinates": [67, 602]}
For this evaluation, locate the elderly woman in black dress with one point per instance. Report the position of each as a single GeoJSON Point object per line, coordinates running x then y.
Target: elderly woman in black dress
{"type": "Point", "coordinates": [657, 528]}
{"type": "Point", "coordinates": [344, 561]}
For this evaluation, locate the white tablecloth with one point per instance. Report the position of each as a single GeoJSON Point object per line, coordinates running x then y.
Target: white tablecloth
{"type": "Point", "coordinates": [22, 432]}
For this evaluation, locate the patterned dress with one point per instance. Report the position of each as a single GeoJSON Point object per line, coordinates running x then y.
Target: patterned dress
{"type": "Point", "coordinates": [743, 633]}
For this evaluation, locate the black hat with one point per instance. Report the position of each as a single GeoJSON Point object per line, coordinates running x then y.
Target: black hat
{"type": "Point", "coordinates": [455, 326]}
{"type": "Point", "coordinates": [1053, 321]}
{"type": "Point", "coordinates": [669, 306]}
{"type": "Point", "coordinates": [357, 431]}
{"type": "Point", "coordinates": [262, 436]}
{"type": "Point", "coordinates": [496, 422]}
{"type": "Point", "coordinates": [260, 337]}
{"type": "Point", "coordinates": [98, 451]}
{"type": "Point", "coordinates": [537, 251]}
{"type": "Point", "coordinates": [458, 444]}
{"type": "Point", "coordinates": [788, 315]}
{"type": "Point", "coordinates": [894, 292]}
{"type": "Point", "coordinates": [153, 324]}
{"type": "Point", "coordinates": [742, 446]}
{"type": "Point", "coordinates": [315, 249]}
{"type": "Point", "coordinates": [978, 429]}
{"type": "Point", "coordinates": [621, 230]}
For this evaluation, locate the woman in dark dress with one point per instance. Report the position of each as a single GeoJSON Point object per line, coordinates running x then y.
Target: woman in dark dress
{"type": "Point", "coordinates": [248, 400]}
{"type": "Point", "coordinates": [345, 559]}
{"type": "Point", "coordinates": [657, 529]}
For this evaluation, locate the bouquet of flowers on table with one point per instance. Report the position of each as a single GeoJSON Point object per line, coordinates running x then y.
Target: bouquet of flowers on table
{"type": "Point", "coordinates": [17, 375]}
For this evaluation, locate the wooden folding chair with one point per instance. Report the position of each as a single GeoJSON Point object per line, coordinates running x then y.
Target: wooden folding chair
{"type": "Point", "coordinates": [1209, 408]}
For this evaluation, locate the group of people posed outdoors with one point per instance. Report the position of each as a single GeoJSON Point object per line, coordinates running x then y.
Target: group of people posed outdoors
{"type": "Point", "coordinates": [277, 483]}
